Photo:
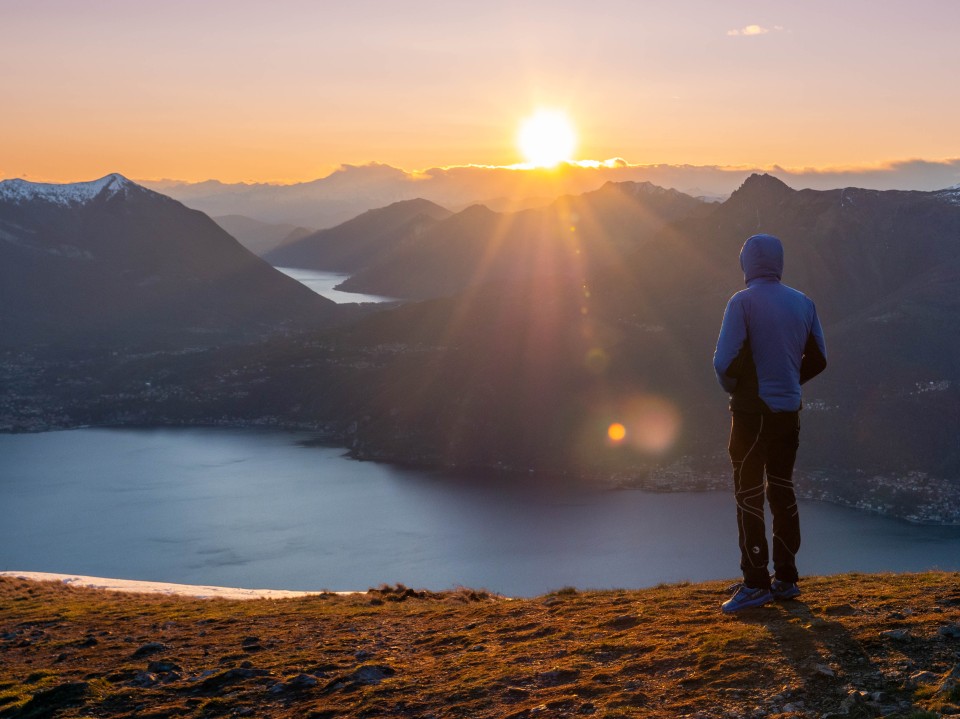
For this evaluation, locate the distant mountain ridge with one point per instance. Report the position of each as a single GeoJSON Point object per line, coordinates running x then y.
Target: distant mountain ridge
{"type": "Point", "coordinates": [352, 189]}
{"type": "Point", "coordinates": [571, 236]}
{"type": "Point", "coordinates": [107, 262]}
{"type": "Point", "coordinates": [350, 246]}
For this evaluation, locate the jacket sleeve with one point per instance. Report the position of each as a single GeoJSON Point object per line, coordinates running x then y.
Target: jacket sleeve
{"type": "Point", "coordinates": [814, 359]}
{"type": "Point", "coordinates": [733, 336]}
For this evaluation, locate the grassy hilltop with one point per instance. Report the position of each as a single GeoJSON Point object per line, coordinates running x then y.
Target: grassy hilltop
{"type": "Point", "coordinates": [855, 646]}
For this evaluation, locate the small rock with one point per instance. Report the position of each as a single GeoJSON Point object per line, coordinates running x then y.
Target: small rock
{"type": "Point", "coordinates": [362, 655]}
{"type": "Point", "coordinates": [163, 667]}
{"type": "Point", "coordinates": [251, 644]}
{"type": "Point", "coordinates": [588, 708]}
{"type": "Point", "coordinates": [949, 683]}
{"type": "Point", "coordinates": [949, 631]}
{"type": "Point", "coordinates": [896, 634]}
{"type": "Point", "coordinates": [823, 670]}
{"type": "Point", "coordinates": [559, 676]}
{"type": "Point", "coordinates": [793, 707]}
{"type": "Point", "coordinates": [149, 648]}
{"type": "Point", "coordinates": [144, 679]}
{"type": "Point", "coordinates": [840, 610]}
{"type": "Point", "coordinates": [302, 681]}
{"type": "Point", "coordinates": [624, 621]}
{"type": "Point", "coordinates": [923, 678]}
{"type": "Point", "coordinates": [371, 674]}
{"type": "Point", "coordinates": [202, 675]}
{"type": "Point", "coordinates": [515, 694]}
{"type": "Point", "coordinates": [218, 681]}
{"type": "Point", "coordinates": [855, 704]}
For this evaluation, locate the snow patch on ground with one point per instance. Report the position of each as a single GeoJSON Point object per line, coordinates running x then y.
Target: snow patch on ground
{"type": "Point", "coordinates": [177, 590]}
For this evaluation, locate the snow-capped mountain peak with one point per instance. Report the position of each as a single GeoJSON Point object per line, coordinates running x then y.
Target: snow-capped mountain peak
{"type": "Point", "coordinates": [951, 194]}
{"type": "Point", "coordinates": [73, 193]}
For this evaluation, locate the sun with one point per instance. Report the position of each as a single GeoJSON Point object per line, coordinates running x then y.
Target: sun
{"type": "Point", "coordinates": [547, 138]}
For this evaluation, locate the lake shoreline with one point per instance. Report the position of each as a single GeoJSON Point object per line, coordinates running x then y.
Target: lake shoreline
{"type": "Point", "coordinates": [811, 486]}
{"type": "Point", "coordinates": [258, 507]}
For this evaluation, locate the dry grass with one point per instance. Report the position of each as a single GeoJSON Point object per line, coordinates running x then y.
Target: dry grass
{"type": "Point", "coordinates": [663, 652]}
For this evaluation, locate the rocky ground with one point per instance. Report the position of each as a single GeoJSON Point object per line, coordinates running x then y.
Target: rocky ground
{"type": "Point", "coordinates": [851, 646]}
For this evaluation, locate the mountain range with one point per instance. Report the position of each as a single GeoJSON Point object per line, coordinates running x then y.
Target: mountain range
{"type": "Point", "coordinates": [573, 237]}
{"type": "Point", "coordinates": [108, 262]}
{"type": "Point", "coordinates": [372, 236]}
{"type": "Point", "coordinates": [353, 189]}
{"type": "Point", "coordinates": [525, 354]}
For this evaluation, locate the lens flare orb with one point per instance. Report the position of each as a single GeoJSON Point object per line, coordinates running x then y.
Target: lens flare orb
{"type": "Point", "coordinates": [616, 432]}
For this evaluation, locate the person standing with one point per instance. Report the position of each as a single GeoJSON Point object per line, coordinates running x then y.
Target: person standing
{"type": "Point", "coordinates": [770, 343]}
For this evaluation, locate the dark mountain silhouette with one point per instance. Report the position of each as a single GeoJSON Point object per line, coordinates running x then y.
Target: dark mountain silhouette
{"type": "Point", "coordinates": [374, 235]}
{"type": "Point", "coordinates": [260, 237]}
{"type": "Point", "coordinates": [109, 262]}
{"type": "Point", "coordinates": [574, 235]}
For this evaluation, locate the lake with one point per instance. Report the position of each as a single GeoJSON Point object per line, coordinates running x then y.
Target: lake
{"type": "Point", "coordinates": [253, 508]}
{"type": "Point", "coordinates": [323, 284]}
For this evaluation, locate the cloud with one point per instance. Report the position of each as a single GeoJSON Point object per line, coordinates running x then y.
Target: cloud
{"type": "Point", "coordinates": [752, 30]}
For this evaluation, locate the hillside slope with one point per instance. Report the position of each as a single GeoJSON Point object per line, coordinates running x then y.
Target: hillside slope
{"type": "Point", "coordinates": [573, 236]}
{"type": "Point", "coordinates": [854, 646]}
{"type": "Point", "coordinates": [353, 244]}
{"type": "Point", "coordinates": [107, 263]}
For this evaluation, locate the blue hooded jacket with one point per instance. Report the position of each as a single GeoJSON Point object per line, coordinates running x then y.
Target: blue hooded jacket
{"type": "Point", "coordinates": [770, 341]}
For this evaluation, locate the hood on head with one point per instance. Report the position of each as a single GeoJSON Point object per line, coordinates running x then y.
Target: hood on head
{"type": "Point", "coordinates": [762, 257]}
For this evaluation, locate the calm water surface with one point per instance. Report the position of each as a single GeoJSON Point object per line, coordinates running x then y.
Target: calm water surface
{"type": "Point", "coordinates": [323, 284]}
{"type": "Point", "coordinates": [258, 509]}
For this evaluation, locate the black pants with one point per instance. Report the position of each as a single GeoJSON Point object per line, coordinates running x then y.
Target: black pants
{"type": "Point", "coordinates": [766, 444]}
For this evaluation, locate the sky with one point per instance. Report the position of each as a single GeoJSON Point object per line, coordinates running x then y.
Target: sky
{"type": "Point", "coordinates": [289, 90]}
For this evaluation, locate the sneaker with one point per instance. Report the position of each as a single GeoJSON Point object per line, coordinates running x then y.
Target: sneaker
{"type": "Point", "coordinates": [746, 598]}
{"type": "Point", "coordinates": [784, 590]}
